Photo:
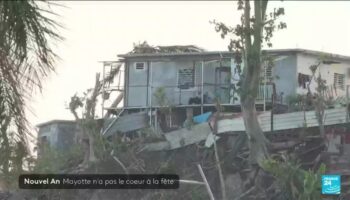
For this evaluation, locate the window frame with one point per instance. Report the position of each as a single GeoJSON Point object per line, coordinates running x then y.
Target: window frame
{"type": "Point", "coordinates": [191, 88]}
{"type": "Point", "coordinates": [339, 81]}
{"type": "Point", "coordinates": [144, 66]}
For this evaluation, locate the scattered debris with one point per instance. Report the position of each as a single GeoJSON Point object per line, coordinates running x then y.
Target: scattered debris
{"type": "Point", "coordinates": [184, 137]}
{"type": "Point", "coordinates": [210, 140]}
{"type": "Point", "coordinates": [144, 47]}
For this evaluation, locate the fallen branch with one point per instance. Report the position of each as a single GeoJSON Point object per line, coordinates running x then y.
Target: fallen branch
{"type": "Point", "coordinates": [119, 162]}
{"type": "Point", "coordinates": [206, 182]}
{"type": "Point", "coordinates": [246, 193]}
{"type": "Point", "coordinates": [192, 182]}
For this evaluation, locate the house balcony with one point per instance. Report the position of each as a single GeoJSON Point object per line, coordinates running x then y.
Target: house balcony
{"type": "Point", "coordinates": [206, 95]}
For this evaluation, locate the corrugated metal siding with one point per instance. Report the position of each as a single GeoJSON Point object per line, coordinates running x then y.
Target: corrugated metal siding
{"type": "Point", "coordinates": [285, 121]}
{"type": "Point", "coordinates": [126, 123]}
{"type": "Point", "coordinates": [184, 136]}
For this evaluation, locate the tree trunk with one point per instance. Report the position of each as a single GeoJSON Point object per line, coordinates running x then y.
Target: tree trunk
{"type": "Point", "coordinates": [252, 67]}
{"type": "Point", "coordinates": [257, 140]}
{"type": "Point", "coordinates": [92, 156]}
{"type": "Point", "coordinates": [217, 159]}
{"type": "Point", "coordinates": [320, 119]}
{"type": "Point", "coordinates": [90, 117]}
{"type": "Point", "coordinates": [6, 146]}
{"type": "Point", "coordinates": [320, 107]}
{"type": "Point", "coordinates": [86, 135]}
{"type": "Point", "coordinates": [87, 141]}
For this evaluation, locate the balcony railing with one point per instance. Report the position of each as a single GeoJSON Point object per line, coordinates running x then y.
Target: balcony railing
{"type": "Point", "coordinates": [206, 94]}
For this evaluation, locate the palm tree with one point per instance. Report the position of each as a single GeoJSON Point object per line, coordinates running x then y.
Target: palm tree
{"type": "Point", "coordinates": [26, 30]}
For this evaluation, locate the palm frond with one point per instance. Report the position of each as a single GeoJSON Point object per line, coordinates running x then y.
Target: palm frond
{"type": "Point", "coordinates": [26, 58]}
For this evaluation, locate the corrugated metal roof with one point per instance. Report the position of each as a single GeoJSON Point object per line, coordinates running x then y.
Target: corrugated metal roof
{"type": "Point", "coordinates": [56, 121]}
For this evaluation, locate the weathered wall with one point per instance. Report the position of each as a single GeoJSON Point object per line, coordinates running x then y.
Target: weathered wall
{"type": "Point", "coordinates": [137, 85]}
{"type": "Point", "coordinates": [66, 133]}
{"type": "Point", "coordinates": [304, 61]}
{"type": "Point", "coordinates": [50, 131]}
{"type": "Point", "coordinates": [286, 72]}
{"type": "Point", "coordinates": [164, 74]}
{"type": "Point", "coordinates": [59, 135]}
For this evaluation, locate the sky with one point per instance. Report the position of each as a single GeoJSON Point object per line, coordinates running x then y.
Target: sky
{"type": "Point", "coordinates": [96, 31]}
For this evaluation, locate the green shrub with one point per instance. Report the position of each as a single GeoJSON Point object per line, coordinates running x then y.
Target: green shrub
{"type": "Point", "coordinates": [295, 183]}
{"type": "Point", "coordinates": [54, 161]}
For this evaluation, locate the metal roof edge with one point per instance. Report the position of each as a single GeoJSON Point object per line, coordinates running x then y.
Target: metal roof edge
{"type": "Point", "coordinates": [219, 53]}
{"type": "Point", "coordinates": [54, 121]}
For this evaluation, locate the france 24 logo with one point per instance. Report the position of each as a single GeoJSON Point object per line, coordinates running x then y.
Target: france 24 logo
{"type": "Point", "coordinates": [331, 184]}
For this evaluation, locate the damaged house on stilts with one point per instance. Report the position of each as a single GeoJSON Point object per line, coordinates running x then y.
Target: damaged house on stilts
{"type": "Point", "coordinates": [176, 90]}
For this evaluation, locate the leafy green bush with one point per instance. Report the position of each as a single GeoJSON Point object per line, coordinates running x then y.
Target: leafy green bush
{"type": "Point", "coordinates": [54, 161]}
{"type": "Point", "coordinates": [295, 102]}
{"type": "Point", "coordinates": [163, 101]}
{"type": "Point", "coordinates": [295, 183]}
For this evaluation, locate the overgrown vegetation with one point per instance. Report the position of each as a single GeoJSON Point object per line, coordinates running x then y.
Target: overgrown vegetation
{"type": "Point", "coordinates": [246, 42]}
{"type": "Point", "coordinates": [53, 161]}
{"type": "Point", "coordinates": [162, 100]}
{"type": "Point", "coordinates": [89, 137]}
{"type": "Point", "coordinates": [294, 183]}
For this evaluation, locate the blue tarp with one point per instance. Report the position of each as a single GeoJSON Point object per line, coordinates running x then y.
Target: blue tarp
{"type": "Point", "coordinates": [202, 118]}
